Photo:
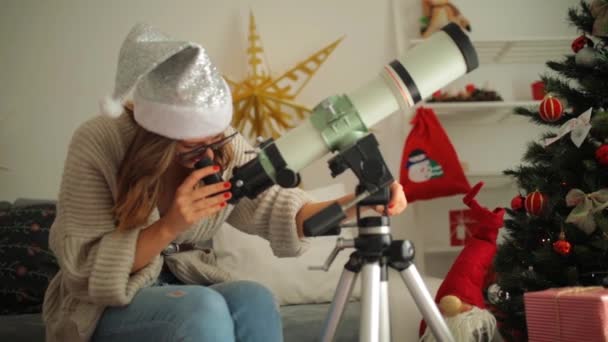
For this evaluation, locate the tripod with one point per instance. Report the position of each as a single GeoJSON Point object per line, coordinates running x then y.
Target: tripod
{"type": "Point", "coordinates": [375, 250]}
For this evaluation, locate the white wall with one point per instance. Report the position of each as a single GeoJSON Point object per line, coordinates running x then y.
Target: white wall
{"type": "Point", "coordinates": [59, 60]}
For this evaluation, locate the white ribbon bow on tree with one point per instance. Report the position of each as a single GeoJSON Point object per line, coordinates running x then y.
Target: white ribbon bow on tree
{"type": "Point", "coordinates": [577, 127]}
{"type": "Point", "coordinates": [585, 207]}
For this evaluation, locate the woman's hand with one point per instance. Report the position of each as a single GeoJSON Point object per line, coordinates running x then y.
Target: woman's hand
{"type": "Point", "coordinates": [397, 203]}
{"type": "Point", "coordinates": [192, 203]}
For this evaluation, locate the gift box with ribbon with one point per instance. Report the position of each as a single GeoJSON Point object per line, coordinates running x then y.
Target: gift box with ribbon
{"type": "Point", "coordinates": [567, 314]}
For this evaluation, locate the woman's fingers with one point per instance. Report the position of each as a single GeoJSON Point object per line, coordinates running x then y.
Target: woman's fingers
{"type": "Point", "coordinates": [207, 202]}
{"type": "Point", "coordinates": [209, 206]}
{"type": "Point", "coordinates": [397, 202]}
{"type": "Point", "coordinates": [207, 190]}
{"type": "Point", "coordinates": [396, 193]}
{"type": "Point", "coordinates": [195, 177]}
{"type": "Point", "coordinates": [209, 211]}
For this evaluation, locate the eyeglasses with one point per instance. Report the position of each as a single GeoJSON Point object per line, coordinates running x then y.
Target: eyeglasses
{"type": "Point", "coordinates": [201, 150]}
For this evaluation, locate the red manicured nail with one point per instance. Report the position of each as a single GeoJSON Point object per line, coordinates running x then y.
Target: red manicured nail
{"type": "Point", "coordinates": [223, 204]}
{"type": "Point", "coordinates": [227, 195]}
{"type": "Point", "coordinates": [216, 168]}
{"type": "Point", "coordinates": [227, 185]}
{"type": "Point", "coordinates": [391, 206]}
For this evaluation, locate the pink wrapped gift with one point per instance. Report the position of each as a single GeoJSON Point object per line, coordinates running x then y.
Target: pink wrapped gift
{"type": "Point", "coordinates": [567, 314]}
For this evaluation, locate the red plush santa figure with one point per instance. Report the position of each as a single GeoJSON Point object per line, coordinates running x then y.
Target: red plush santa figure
{"type": "Point", "coordinates": [460, 296]}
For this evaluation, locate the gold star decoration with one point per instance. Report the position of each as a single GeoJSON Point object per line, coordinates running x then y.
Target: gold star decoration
{"type": "Point", "coordinates": [265, 106]}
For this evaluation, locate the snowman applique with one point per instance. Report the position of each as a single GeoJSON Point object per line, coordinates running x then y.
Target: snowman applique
{"type": "Point", "coordinates": [421, 168]}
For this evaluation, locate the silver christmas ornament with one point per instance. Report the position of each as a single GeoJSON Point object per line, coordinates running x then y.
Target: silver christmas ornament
{"type": "Point", "coordinates": [587, 57]}
{"type": "Point", "coordinates": [493, 291]}
{"type": "Point", "coordinates": [496, 294]}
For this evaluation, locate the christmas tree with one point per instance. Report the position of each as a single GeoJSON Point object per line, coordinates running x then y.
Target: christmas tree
{"type": "Point", "coordinates": [557, 230]}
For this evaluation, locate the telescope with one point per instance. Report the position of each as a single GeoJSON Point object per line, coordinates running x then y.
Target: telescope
{"type": "Point", "coordinates": [341, 123]}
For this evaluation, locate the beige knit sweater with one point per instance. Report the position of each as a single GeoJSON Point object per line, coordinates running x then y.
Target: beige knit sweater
{"type": "Point", "coordinates": [95, 260]}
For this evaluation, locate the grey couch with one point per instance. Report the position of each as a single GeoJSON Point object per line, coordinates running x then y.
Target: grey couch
{"type": "Point", "coordinates": [300, 323]}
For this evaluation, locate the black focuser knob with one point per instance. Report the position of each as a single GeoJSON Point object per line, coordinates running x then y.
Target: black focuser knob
{"type": "Point", "coordinates": [288, 178]}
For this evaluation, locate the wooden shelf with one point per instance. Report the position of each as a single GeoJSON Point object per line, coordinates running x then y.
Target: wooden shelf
{"type": "Point", "coordinates": [459, 108]}
{"type": "Point", "coordinates": [443, 250]}
{"type": "Point", "coordinates": [478, 112]}
{"type": "Point", "coordinates": [491, 180]}
{"type": "Point", "coordinates": [520, 50]}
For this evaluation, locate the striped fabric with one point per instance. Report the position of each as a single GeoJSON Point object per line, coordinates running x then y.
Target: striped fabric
{"type": "Point", "coordinates": [96, 260]}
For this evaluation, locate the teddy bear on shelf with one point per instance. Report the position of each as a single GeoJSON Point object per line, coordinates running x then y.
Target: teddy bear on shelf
{"type": "Point", "coordinates": [439, 13]}
{"type": "Point", "coordinates": [460, 296]}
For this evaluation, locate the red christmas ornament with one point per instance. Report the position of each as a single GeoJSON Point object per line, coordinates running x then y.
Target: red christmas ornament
{"type": "Point", "coordinates": [535, 203]}
{"type": "Point", "coordinates": [601, 155]}
{"type": "Point", "coordinates": [470, 88]}
{"type": "Point", "coordinates": [579, 43]}
{"type": "Point", "coordinates": [517, 203]}
{"type": "Point", "coordinates": [33, 249]}
{"type": "Point", "coordinates": [21, 271]}
{"type": "Point", "coordinates": [538, 90]}
{"type": "Point", "coordinates": [551, 109]}
{"type": "Point", "coordinates": [562, 246]}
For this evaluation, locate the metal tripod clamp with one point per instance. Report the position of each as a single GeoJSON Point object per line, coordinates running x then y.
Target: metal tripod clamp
{"type": "Point", "coordinates": [340, 245]}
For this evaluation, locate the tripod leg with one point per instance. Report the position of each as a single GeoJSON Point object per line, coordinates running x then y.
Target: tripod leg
{"type": "Point", "coordinates": [426, 304]}
{"type": "Point", "coordinates": [338, 304]}
{"type": "Point", "coordinates": [370, 303]}
{"type": "Point", "coordinates": [385, 312]}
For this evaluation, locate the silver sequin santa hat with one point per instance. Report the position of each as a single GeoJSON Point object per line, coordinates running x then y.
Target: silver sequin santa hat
{"type": "Point", "coordinates": [178, 93]}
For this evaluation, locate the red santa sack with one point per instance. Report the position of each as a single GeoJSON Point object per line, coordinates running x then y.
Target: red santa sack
{"type": "Point", "coordinates": [430, 166]}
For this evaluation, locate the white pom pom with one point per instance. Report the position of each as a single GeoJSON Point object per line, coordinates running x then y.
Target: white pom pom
{"type": "Point", "coordinates": [111, 107]}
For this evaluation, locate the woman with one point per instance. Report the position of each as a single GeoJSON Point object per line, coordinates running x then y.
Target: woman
{"type": "Point", "coordinates": [132, 211]}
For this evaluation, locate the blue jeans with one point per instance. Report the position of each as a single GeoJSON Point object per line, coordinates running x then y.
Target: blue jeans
{"type": "Point", "coordinates": [232, 311]}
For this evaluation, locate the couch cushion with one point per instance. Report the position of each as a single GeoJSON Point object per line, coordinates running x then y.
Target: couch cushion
{"type": "Point", "coordinates": [300, 323]}
{"type": "Point", "coordinates": [5, 205]}
{"type": "Point", "coordinates": [22, 328]}
{"type": "Point", "coordinates": [305, 322]}
{"type": "Point", "coordinates": [32, 202]}
{"type": "Point", "coordinates": [26, 264]}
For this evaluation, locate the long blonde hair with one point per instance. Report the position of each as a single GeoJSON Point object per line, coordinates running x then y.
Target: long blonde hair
{"type": "Point", "coordinates": [139, 179]}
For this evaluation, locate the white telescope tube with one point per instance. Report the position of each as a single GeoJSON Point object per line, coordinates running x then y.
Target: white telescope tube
{"type": "Point", "coordinates": [445, 56]}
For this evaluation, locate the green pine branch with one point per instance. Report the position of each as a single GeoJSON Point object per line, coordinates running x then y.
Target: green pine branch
{"type": "Point", "coordinates": [575, 98]}
{"type": "Point", "coordinates": [539, 154]}
{"type": "Point", "coordinates": [532, 114]}
{"type": "Point", "coordinates": [527, 259]}
{"type": "Point", "coordinates": [532, 177]}
{"type": "Point", "coordinates": [581, 17]}
{"type": "Point", "coordinates": [569, 69]}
